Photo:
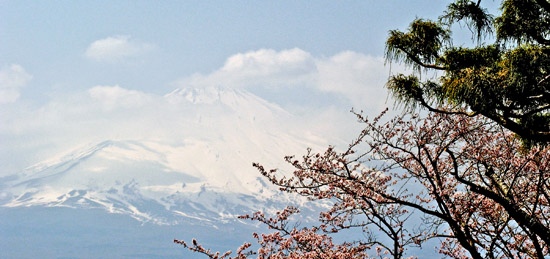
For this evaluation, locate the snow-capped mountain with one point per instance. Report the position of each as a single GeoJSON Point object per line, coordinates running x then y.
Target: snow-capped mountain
{"type": "Point", "coordinates": [202, 173]}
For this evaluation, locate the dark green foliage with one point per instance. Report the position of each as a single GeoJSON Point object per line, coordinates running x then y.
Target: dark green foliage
{"type": "Point", "coordinates": [523, 21]}
{"type": "Point", "coordinates": [476, 18]}
{"type": "Point", "coordinates": [507, 80]}
{"type": "Point", "coordinates": [418, 47]}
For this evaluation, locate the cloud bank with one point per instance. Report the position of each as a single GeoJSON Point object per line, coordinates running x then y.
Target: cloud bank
{"type": "Point", "coordinates": [357, 77]}
{"type": "Point", "coordinates": [29, 134]}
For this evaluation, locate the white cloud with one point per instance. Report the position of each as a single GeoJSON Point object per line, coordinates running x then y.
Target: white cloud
{"type": "Point", "coordinates": [12, 79]}
{"type": "Point", "coordinates": [359, 78]}
{"type": "Point", "coordinates": [116, 48]}
{"type": "Point", "coordinates": [264, 67]}
{"type": "Point", "coordinates": [268, 62]}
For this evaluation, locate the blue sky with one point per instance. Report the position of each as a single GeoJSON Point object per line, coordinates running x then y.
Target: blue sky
{"type": "Point", "coordinates": [315, 58]}
{"type": "Point", "coordinates": [49, 38]}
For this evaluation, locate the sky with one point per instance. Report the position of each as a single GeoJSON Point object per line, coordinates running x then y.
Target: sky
{"type": "Point", "coordinates": [73, 72]}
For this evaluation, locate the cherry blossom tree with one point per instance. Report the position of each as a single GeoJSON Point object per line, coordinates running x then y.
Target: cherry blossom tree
{"type": "Point", "coordinates": [464, 181]}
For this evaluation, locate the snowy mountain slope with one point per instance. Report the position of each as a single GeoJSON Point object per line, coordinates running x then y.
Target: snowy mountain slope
{"type": "Point", "coordinates": [201, 174]}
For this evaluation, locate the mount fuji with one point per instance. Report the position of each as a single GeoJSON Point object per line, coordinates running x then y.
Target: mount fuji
{"type": "Point", "coordinates": [199, 179]}
{"type": "Point", "coordinates": [205, 177]}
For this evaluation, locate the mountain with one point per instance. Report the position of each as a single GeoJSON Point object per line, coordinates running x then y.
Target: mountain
{"type": "Point", "coordinates": [202, 174]}
{"type": "Point", "coordinates": [129, 198]}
